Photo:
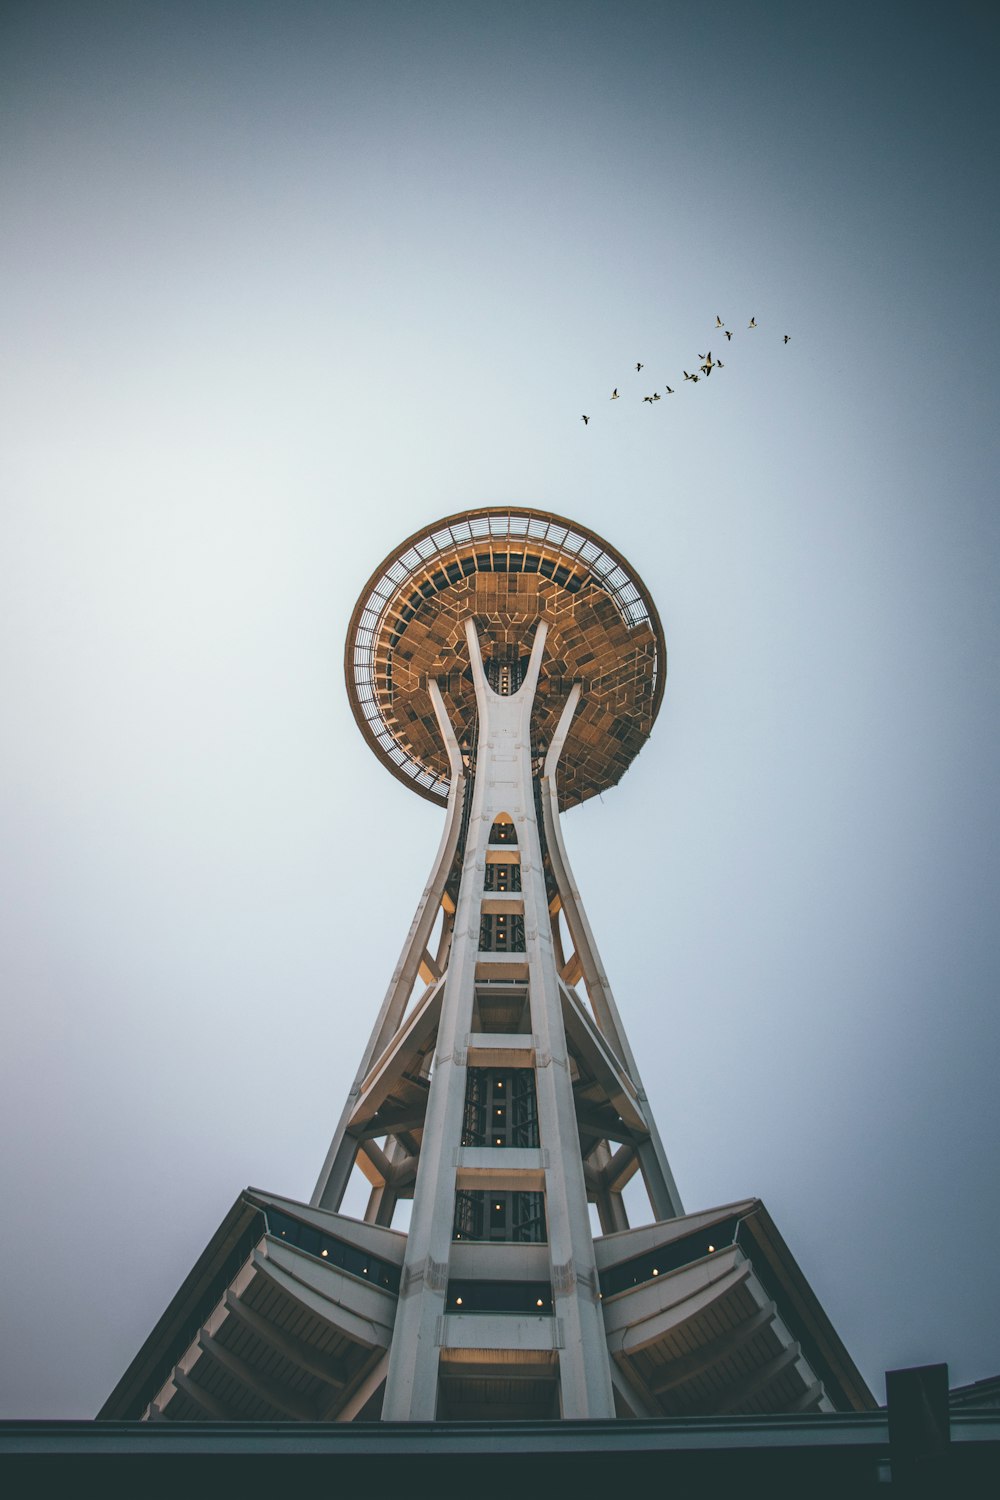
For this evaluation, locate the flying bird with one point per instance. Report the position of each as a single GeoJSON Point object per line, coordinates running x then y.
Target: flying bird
{"type": "Point", "coordinates": [650, 398]}
{"type": "Point", "coordinates": [585, 420]}
{"type": "Point", "coordinates": [752, 323]}
{"type": "Point", "coordinates": [614, 394]}
{"type": "Point", "coordinates": [709, 364]}
{"type": "Point", "coordinates": [719, 365]}
{"type": "Point", "coordinates": [669, 390]}
{"type": "Point", "coordinates": [718, 322]}
{"type": "Point", "coordinates": [728, 334]}
{"type": "Point", "coordinates": [639, 367]}
{"type": "Point", "coordinates": [689, 377]}
{"type": "Point", "coordinates": [787, 337]}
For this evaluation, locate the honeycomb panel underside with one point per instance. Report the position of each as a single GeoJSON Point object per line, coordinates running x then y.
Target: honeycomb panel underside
{"type": "Point", "coordinates": [588, 642]}
{"type": "Point", "coordinates": [506, 570]}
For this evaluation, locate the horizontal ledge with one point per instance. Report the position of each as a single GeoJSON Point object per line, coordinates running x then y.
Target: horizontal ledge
{"type": "Point", "coordinates": [486, 1331]}
{"type": "Point", "coordinates": [501, 1158]}
{"type": "Point", "coordinates": [498, 1049]}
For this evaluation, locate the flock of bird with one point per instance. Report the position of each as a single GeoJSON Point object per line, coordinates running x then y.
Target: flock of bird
{"type": "Point", "coordinates": [704, 369]}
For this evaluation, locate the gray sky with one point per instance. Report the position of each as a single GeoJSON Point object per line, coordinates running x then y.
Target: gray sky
{"type": "Point", "coordinates": [281, 283]}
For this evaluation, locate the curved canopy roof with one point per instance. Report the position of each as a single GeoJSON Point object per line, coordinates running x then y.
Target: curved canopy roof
{"type": "Point", "coordinates": [508, 568]}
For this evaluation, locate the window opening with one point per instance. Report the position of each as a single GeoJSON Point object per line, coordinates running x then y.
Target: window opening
{"type": "Point", "coordinates": [503, 832]}
{"type": "Point", "coordinates": [667, 1258]}
{"type": "Point", "coordinates": [335, 1252]}
{"type": "Point", "coordinates": [501, 932]}
{"type": "Point", "coordinates": [501, 1108]}
{"type": "Point", "coordinates": [500, 1296]}
{"type": "Point", "coordinates": [511, 1218]}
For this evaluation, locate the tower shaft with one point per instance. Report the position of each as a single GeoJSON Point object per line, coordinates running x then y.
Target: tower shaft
{"type": "Point", "coordinates": [503, 945]}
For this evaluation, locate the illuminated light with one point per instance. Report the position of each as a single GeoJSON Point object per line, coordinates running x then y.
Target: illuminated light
{"type": "Point", "coordinates": [539, 1303]}
{"type": "Point", "coordinates": [499, 1142]}
{"type": "Point", "coordinates": [655, 1271]}
{"type": "Point", "coordinates": [711, 1249]}
{"type": "Point", "coordinates": [364, 1270]}
{"type": "Point", "coordinates": [324, 1252]}
{"type": "Point", "coordinates": [498, 1205]}
{"type": "Point", "coordinates": [458, 1301]}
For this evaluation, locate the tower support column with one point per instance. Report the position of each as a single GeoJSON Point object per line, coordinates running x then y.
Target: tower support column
{"type": "Point", "coordinates": [503, 789]}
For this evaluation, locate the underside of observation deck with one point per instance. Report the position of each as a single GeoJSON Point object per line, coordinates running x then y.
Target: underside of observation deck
{"type": "Point", "coordinates": [506, 570]}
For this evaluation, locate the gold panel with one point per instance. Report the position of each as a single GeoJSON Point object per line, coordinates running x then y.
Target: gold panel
{"type": "Point", "coordinates": [507, 569]}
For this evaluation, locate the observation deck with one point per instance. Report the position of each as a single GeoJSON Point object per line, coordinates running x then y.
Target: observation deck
{"type": "Point", "coordinates": [507, 569]}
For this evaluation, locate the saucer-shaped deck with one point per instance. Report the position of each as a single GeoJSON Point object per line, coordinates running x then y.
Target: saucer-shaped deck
{"type": "Point", "coordinates": [508, 569]}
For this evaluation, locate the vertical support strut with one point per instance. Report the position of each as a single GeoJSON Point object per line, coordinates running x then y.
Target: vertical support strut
{"type": "Point", "coordinates": [428, 1320]}
{"type": "Point", "coordinates": [657, 1176]}
{"type": "Point", "coordinates": [336, 1170]}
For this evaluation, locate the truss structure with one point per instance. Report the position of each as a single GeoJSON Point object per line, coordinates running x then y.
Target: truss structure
{"type": "Point", "coordinates": [492, 659]}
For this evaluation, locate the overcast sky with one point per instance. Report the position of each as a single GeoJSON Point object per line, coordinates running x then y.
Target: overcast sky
{"type": "Point", "coordinates": [281, 283]}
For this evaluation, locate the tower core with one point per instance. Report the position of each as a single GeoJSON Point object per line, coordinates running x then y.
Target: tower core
{"type": "Point", "coordinates": [507, 663]}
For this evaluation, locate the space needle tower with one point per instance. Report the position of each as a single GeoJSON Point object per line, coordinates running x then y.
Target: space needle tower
{"type": "Point", "coordinates": [506, 664]}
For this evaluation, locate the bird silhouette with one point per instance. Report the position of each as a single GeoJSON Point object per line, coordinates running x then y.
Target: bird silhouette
{"type": "Point", "coordinates": [708, 364]}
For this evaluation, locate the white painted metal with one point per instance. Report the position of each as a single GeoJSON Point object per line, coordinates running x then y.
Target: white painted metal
{"type": "Point", "coordinates": [702, 1324]}
{"type": "Point", "coordinates": [335, 1174]}
{"type": "Point", "coordinates": [503, 788]}
{"type": "Point", "coordinates": [698, 1324]}
{"type": "Point", "coordinates": [658, 1178]}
